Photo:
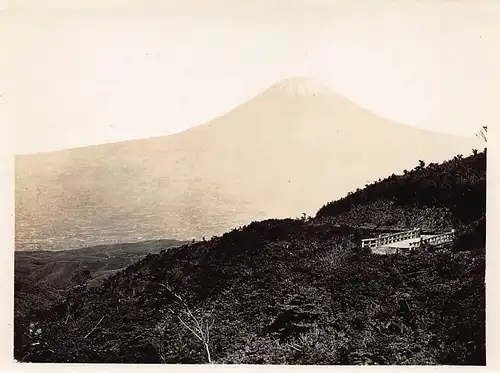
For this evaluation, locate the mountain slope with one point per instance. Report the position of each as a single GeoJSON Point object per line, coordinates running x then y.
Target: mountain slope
{"type": "Point", "coordinates": [44, 277]}
{"type": "Point", "coordinates": [284, 292]}
{"type": "Point", "coordinates": [261, 160]}
{"type": "Point", "coordinates": [444, 196]}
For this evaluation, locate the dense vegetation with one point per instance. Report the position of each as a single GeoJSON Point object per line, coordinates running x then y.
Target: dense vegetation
{"type": "Point", "coordinates": [42, 278]}
{"type": "Point", "coordinates": [452, 193]}
{"type": "Point", "coordinates": [294, 291]}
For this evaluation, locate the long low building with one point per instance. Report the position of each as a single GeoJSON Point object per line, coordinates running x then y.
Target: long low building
{"type": "Point", "coordinates": [405, 241]}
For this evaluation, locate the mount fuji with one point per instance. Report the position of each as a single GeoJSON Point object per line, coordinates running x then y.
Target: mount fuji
{"type": "Point", "coordinates": [285, 152]}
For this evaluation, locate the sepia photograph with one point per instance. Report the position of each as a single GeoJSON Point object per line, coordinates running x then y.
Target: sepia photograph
{"type": "Point", "coordinates": [250, 182]}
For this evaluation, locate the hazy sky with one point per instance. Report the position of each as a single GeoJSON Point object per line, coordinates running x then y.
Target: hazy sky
{"type": "Point", "coordinates": [101, 71]}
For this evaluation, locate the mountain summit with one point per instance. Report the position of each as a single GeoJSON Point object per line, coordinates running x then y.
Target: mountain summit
{"type": "Point", "coordinates": [281, 154]}
{"type": "Point", "coordinates": [302, 86]}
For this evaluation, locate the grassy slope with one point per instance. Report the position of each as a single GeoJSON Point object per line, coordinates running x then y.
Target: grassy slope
{"type": "Point", "coordinates": [295, 291]}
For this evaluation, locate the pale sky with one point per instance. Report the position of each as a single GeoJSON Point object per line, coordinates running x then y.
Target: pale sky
{"type": "Point", "coordinates": [103, 71]}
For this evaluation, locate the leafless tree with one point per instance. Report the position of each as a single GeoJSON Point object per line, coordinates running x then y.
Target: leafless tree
{"type": "Point", "coordinates": [482, 134]}
{"type": "Point", "coordinates": [198, 327]}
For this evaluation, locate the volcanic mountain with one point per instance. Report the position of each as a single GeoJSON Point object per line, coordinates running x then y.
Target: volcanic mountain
{"type": "Point", "coordinates": [283, 153]}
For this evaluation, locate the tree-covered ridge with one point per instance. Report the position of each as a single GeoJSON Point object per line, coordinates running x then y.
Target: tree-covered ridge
{"type": "Point", "coordinates": [294, 291]}
{"type": "Point", "coordinates": [457, 185]}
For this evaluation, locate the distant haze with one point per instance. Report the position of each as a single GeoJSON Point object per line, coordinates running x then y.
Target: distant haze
{"type": "Point", "coordinates": [287, 151]}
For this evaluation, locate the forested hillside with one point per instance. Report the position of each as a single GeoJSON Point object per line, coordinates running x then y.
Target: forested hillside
{"type": "Point", "coordinates": [41, 278]}
{"type": "Point", "coordinates": [295, 291]}
{"type": "Point", "coordinates": [434, 197]}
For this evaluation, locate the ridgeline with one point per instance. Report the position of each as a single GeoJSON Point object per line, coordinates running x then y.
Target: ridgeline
{"type": "Point", "coordinates": [295, 291]}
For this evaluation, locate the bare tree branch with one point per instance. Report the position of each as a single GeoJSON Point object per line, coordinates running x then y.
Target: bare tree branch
{"type": "Point", "coordinates": [190, 329]}
{"type": "Point", "coordinates": [94, 328]}
{"type": "Point", "coordinates": [482, 134]}
{"type": "Point", "coordinates": [197, 326]}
